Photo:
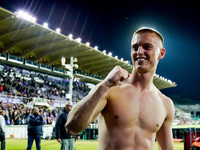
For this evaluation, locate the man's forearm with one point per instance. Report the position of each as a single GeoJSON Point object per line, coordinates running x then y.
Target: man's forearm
{"type": "Point", "coordinates": [85, 111]}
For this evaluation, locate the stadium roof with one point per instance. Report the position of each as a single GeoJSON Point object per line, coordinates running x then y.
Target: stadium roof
{"type": "Point", "coordinates": [21, 36]}
{"type": "Point", "coordinates": [188, 108]}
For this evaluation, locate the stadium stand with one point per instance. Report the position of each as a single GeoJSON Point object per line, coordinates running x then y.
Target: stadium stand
{"type": "Point", "coordinates": [21, 83]}
{"type": "Point", "coordinates": [24, 83]}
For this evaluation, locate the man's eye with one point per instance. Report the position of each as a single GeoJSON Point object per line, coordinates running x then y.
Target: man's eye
{"type": "Point", "coordinates": [135, 48]}
{"type": "Point", "coordinates": [147, 47]}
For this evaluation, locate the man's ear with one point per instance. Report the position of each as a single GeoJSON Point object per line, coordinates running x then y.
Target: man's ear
{"type": "Point", "coordinates": [162, 53]}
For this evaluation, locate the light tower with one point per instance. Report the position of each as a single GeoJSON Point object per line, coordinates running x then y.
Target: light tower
{"type": "Point", "coordinates": [70, 67]}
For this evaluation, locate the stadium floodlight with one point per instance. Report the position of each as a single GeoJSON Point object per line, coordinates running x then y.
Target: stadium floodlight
{"type": "Point", "coordinates": [88, 44]}
{"type": "Point", "coordinates": [96, 47]}
{"type": "Point", "coordinates": [76, 66]}
{"type": "Point", "coordinates": [122, 59]}
{"type": "Point", "coordinates": [162, 78]}
{"type": "Point", "coordinates": [110, 54]}
{"type": "Point", "coordinates": [63, 60]}
{"type": "Point", "coordinates": [169, 81]}
{"type": "Point", "coordinates": [75, 59]}
{"type": "Point", "coordinates": [33, 19]}
{"type": "Point", "coordinates": [78, 40]}
{"type": "Point", "coordinates": [45, 25]}
{"type": "Point", "coordinates": [116, 57]}
{"type": "Point", "coordinates": [70, 68]}
{"type": "Point", "coordinates": [20, 14]}
{"type": "Point", "coordinates": [25, 16]}
{"type": "Point", "coordinates": [70, 36]}
{"type": "Point", "coordinates": [104, 52]}
{"type": "Point", "coordinates": [58, 30]}
{"type": "Point", "coordinates": [126, 61]}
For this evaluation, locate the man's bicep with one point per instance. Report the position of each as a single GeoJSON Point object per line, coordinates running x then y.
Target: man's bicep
{"type": "Point", "coordinates": [101, 106]}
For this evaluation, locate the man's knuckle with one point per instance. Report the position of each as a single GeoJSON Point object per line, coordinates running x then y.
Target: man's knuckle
{"type": "Point", "coordinates": [118, 67]}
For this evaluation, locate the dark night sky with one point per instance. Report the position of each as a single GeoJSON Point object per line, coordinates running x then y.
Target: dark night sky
{"type": "Point", "coordinates": [110, 24]}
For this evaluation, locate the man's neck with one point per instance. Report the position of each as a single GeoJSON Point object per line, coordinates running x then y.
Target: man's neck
{"type": "Point", "coordinates": [142, 81]}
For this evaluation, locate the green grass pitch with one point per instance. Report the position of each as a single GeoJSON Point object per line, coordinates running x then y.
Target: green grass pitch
{"type": "Point", "coordinates": [186, 126]}
{"type": "Point", "coordinates": [20, 144]}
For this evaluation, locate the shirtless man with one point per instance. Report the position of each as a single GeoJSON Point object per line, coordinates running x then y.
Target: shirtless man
{"type": "Point", "coordinates": [132, 111]}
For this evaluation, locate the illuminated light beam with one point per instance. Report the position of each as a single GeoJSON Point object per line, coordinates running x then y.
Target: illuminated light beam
{"type": "Point", "coordinates": [25, 16]}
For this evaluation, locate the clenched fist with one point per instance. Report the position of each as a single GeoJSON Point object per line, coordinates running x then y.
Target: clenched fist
{"type": "Point", "coordinates": [116, 75]}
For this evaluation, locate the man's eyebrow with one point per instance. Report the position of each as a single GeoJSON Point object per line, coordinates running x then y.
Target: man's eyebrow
{"type": "Point", "coordinates": [147, 44]}
{"type": "Point", "coordinates": [134, 45]}
{"type": "Point", "coordinates": [144, 44]}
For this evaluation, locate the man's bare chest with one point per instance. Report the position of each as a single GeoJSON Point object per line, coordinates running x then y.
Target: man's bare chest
{"type": "Point", "coordinates": [129, 110]}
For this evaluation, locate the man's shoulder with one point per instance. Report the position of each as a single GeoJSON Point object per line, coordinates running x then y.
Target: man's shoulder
{"type": "Point", "coordinates": [168, 103]}
{"type": "Point", "coordinates": [121, 86]}
{"type": "Point", "coordinates": [166, 98]}
{"type": "Point", "coordinates": [40, 116]}
{"type": "Point", "coordinates": [115, 90]}
{"type": "Point", "coordinates": [62, 114]}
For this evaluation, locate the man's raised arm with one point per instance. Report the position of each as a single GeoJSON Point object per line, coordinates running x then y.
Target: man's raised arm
{"type": "Point", "coordinates": [89, 107]}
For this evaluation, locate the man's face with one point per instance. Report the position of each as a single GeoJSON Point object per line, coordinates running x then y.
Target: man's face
{"type": "Point", "coordinates": [35, 111]}
{"type": "Point", "coordinates": [69, 107]}
{"type": "Point", "coordinates": [146, 50]}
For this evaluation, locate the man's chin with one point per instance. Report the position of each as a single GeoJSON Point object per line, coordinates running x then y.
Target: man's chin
{"type": "Point", "coordinates": [142, 70]}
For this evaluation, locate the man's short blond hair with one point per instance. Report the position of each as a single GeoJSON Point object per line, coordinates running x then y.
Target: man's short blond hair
{"type": "Point", "coordinates": [149, 30]}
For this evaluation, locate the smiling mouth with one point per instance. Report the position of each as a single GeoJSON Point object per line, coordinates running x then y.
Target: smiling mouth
{"type": "Point", "coordinates": [140, 58]}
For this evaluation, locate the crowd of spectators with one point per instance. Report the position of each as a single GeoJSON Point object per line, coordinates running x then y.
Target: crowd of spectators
{"type": "Point", "coordinates": [15, 82]}
{"type": "Point", "coordinates": [16, 114]}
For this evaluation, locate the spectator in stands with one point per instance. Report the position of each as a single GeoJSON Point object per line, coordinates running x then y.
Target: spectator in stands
{"type": "Point", "coordinates": [2, 130]}
{"type": "Point", "coordinates": [1, 85]}
{"type": "Point", "coordinates": [66, 141]}
{"type": "Point", "coordinates": [35, 123]}
{"type": "Point", "coordinates": [8, 122]}
{"type": "Point", "coordinates": [16, 117]}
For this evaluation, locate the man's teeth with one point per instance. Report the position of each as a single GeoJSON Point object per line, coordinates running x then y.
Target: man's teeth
{"type": "Point", "coordinates": [141, 59]}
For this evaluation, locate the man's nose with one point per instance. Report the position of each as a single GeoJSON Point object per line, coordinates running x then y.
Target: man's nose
{"type": "Point", "coordinates": [140, 50]}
